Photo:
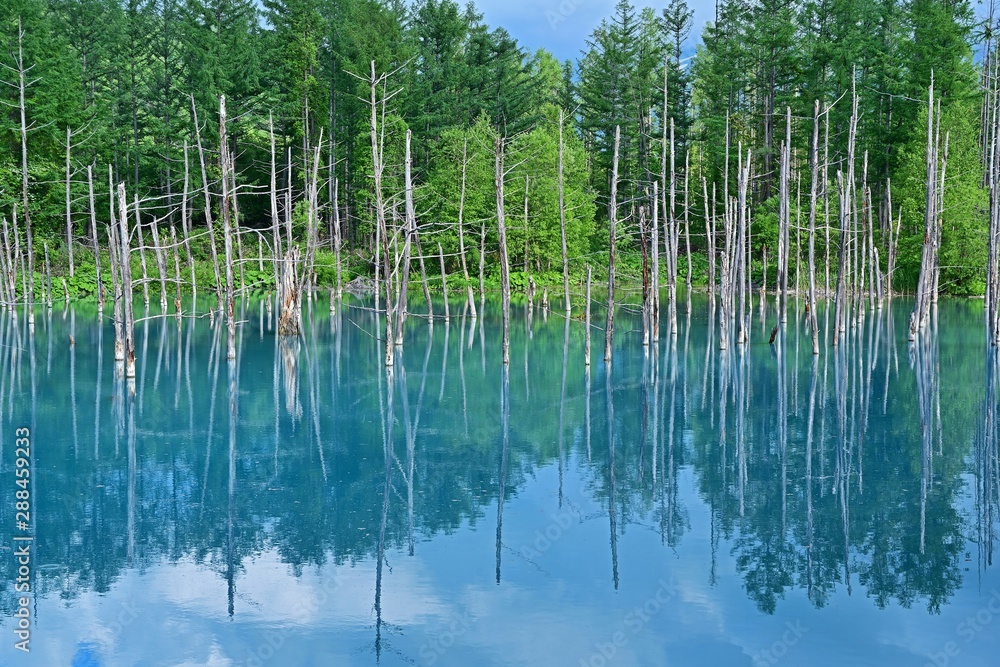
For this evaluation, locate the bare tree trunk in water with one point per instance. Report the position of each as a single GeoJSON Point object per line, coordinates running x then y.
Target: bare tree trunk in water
{"type": "Point", "coordinates": [227, 230]}
{"type": "Point", "coordinates": [814, 163]}
{"type": "Point", "coordinates": [504, 262]}
{"type": "Point", "coordinates": [562, 218]}
{"type": "Point", "coordinates": [612, 222]}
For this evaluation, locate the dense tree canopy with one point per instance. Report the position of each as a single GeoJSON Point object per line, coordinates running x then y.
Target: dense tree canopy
{"type": "Point", "coordinates": [124, 79]}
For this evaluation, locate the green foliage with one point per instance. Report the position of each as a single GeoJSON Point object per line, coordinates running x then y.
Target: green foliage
{"type": "Point", "coordinates": [259, 279]}
{"type": "Point", "coordinates": [764, 229]}
{"type": "Point", "coordinates": [393, 135]}
{"type": "Point", "coordinates": [621, 85]}
{"type": "Point", "coordinates": [964, 221]}
{"type": "Point", "coordinates": [126, 78]}
{"type": "Point", "coordinates": [444, 190]}
{"type": "Point", "coordinates": [300, 220]}
{"type": "Point", "coordinates": [538, 244]}
{"type": "Point", "coordinates": [326, 269]}
{"type": "Point", "coordinates": [83, 284]}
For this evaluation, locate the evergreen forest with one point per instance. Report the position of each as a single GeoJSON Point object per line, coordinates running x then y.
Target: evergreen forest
{"type": "Point", "coordinates": [104, 92]}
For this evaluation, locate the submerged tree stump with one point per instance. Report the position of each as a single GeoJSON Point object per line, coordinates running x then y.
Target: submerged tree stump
{"type": "Point", "coordinates": [288, 321]}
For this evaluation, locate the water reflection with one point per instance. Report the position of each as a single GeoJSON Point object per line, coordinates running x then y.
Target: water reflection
{"type": "Point", "coordinates": [836, 474]}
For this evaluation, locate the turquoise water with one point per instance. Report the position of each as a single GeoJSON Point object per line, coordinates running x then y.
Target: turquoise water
{"type": "Point", "coordinates": [759, 506]}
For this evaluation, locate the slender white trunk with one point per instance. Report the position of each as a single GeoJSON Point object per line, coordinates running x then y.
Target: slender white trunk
{"type": "Point", "coordinates": [502, 232]}
{"type": "Point", "coordinates": [612, 223]}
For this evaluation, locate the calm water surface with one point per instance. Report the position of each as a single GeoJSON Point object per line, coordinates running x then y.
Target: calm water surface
{"type": "Point", "coordinates": [302, 507]}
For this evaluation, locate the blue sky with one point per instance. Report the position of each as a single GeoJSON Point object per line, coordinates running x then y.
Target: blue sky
{"type": "Point", "coordinates": [562, 26]}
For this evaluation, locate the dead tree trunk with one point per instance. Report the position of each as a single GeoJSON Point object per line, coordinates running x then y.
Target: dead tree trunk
{"type": "Point", "coordinates": [444, 283]}
{"type": "Point", "coordinates": [22, 85]}
{"type": "Point", "coordinates": [504, 261]}
{"type": "Point", "coordinates": [114, 248]}
{"type": "Point", "coordinates": [377, 167]}
{"type": "Point", "coordinates": [654, 311]}
{"type": "Point", "coordinates": [687, 227]}
{"type": "Point", "coordinates": [289, 201]}
{"type": "Point", "coordinates": [842, 263]}
{"type": "Point", "coordinates": [586, 325]}
{"type": "Point", "coordinates": [526, 184]}
{"type": "Point", "coordinates": [334, 204]}
{"type": "Point", "coordinates": [7, 281]}
{"type": "Point", "coordinates": [337, 242]}
{"type": "Point", "coordinates": [763, 286]}
{"type": "Point", "coordinates": [208, 205]}
{"type": "Point", "coordinates": [668, 213]}
{"type": "Point", "coordinates": [992, 157]}
{"type": "Point", "coordinates": [482, 261]}
{"type": "Point", "coordinates": [177, 270]}
{"type": "Point", "coordinates": [409, 237]}
{"type": "Point", "coordinates": [288, 319]}
{"type": "Point", "coordinates": [725, 276]}
{"type": "Point", "coordinates": [142, 253]}
{"type": "Point", "coordinates": [612, 223]}
{"type": "Point", "coordinates": [93, 236]}
{"type": "Point", "coordinates": [69, 214]}
{"type": "Point", "coordinates": [378, 266]}
{"type": "Point", "coordinates": [227, 230]}
{"type": "Point", "coordinates": [240, 260]}
{"type": "Point", "coordinates": [647, 321]}
{"type": "Point", "coordinates": [740, 252]}
{"type": "Point", "coordinates": [893, 242]}
{"type": "Point", "coordinates": [186, 222]}
{"type": "Point", "coordinates": [826, 205]}
{"type": "Point", "coordinates": [306, 276]}
{"type": "Point", "coordinates": [814, 163]}
{"type": "Point", "coordinates": [461, 230]}
{"type": "Point", "coordinates": [48, 277]}
{"type": "Point", "coordinates": [19, 258]}
{"type": "Point", "coordinates": [128, 319]}
{"type": "Point", "coordinates": [784, 220]}
{"type": "Point", "coordinates": [861, 241]}
{"type": "Point", "coordinates": [423, 279]}
{"type": "Point", "coordinates": [11, 247]}
{"type": "Point", "coordinates": [939, 214]}
{"type": "Point", "coordinates": [5, 269]}
{"type": "Point", "coordinates": [709, 236]}
{"type": "Point", "coordinates": [672, 237]}
{"type": "Point", "coordinates": [161, 264]}
{"type": "Point", "coordinates": [850, 203]}
{"type": "Point", "coordinates": [921, 308]}
{"type": "Point", "coordinates": [278, 254]}
{"type": "Point", "coordinates": [796, 286]}
{"type": "Point", "coordinates": [562, 219]}
{"type": "Point", "coordinates": [288, 281]}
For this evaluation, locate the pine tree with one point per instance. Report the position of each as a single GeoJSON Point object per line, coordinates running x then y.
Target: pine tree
{"type": "Point", "coordinates": [620, 86]}
{"type": "Point", "coordinates": [678, 19]}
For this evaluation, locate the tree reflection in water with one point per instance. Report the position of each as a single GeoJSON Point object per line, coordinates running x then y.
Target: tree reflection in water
{"type": "Point", "coordinates": [831, 474]}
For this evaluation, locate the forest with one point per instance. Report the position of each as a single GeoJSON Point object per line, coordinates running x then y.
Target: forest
{"type": "Point", "coordinates": [812, 157]}
{"type": "Point", "coordinates": [105, 92]}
